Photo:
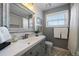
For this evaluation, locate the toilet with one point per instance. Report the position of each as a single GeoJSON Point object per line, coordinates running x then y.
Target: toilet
{"type": "Point", "coordinates": [49, 46]}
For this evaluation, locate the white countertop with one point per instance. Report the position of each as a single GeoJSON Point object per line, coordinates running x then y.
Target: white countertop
{"type": "Point", "coordinates": [21, 46]}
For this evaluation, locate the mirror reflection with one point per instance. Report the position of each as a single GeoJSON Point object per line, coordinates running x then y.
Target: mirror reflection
{"type": "Point", "coordinates": [20, 17]}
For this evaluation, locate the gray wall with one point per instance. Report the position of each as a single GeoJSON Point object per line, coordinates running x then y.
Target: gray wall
{"type": "Point", "coordinates": [55, 41]}
{"type": "Point", "coordinates": [48, 32]}
{"type": "Point", "coordinates": [0, 15]}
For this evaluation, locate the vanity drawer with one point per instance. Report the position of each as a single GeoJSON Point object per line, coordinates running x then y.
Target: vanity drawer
{"type": "Point", "coordinates": [28, 53]}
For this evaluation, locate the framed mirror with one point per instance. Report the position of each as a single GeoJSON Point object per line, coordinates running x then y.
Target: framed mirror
{"type": "Point", "coordinates": [20, 17]}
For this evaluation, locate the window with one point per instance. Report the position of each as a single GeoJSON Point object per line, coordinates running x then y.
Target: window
{"type": "Point", "coordinates": [28, 23]}
{"type": "Point", "coordinates": [57, 19]}
{"type": "Point", "coordinates": [25, 23]}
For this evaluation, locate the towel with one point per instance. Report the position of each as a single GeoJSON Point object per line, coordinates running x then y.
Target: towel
{"type": "Point", "coordinates": [4, 34]}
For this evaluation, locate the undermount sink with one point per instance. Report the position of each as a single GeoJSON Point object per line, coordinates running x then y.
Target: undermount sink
{"type": "Point", "coordinates": [28, 41]}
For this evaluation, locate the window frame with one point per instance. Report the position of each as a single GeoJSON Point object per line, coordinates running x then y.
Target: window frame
{"type": "Point", "coordinates": [66, 12]}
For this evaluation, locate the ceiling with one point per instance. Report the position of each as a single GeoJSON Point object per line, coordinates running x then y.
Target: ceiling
{"type": "Point", "coordinates": [46, 6]}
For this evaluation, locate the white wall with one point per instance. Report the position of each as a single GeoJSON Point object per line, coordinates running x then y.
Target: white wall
{"type": "Point", "coordinates": [73, 38]}
{"type": "Point", "coordinates": [38, 13]}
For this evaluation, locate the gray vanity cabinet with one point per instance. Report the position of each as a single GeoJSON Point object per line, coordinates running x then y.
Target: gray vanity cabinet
{"type": "Point", "coordinates": [37, 50]}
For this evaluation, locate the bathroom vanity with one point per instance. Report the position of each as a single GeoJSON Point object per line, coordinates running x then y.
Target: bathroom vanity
{"type": "Point", "coordinates": [32, 46]}
{"type": "Point", "coordinates": [37, 50]}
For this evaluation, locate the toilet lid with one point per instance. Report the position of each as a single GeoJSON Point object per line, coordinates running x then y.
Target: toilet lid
{"type": "Point", "coordinates": [49, 43]}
